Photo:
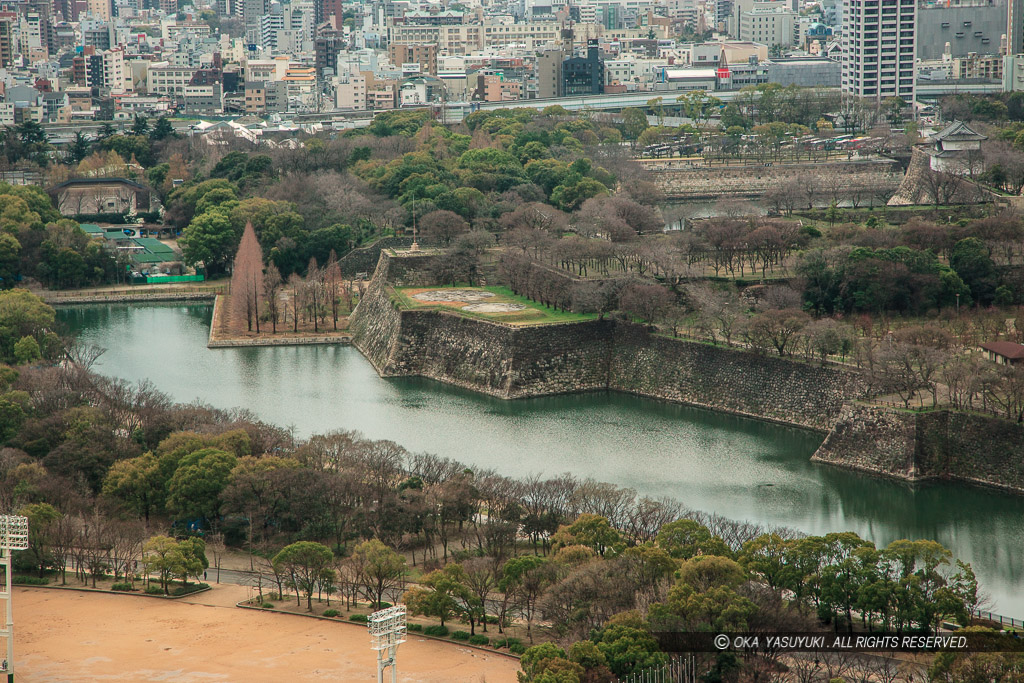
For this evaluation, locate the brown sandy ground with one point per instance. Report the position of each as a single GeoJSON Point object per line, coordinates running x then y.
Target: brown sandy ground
{"type": "Point", "coordinates": [73, 636]}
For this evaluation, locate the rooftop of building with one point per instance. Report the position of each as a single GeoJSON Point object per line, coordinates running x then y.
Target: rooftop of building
{"type": "Point", "coordinates": [1010, 350]}
{"type": "Point", "coordinates": [958, 131]}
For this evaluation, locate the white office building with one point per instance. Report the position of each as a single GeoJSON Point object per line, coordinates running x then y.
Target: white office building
{"type": "Point", "coordinates": [769, 23]}
{"type": "Point", "coordinates": [879, 48]}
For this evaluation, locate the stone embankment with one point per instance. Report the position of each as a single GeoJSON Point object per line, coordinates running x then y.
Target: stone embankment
{"type": "Point", "coordinates": [920, 185]}
{"type": "Point", "coordinates": [63, 299]}
{"type": "Point", "coordinates": [731, 380]}
{"type": "Point", "coordinates": [238, 343]}
{"type": "Point", "coordinates": [921, 446]}
{"type": "Point", "coordinates": [515, 362]}
{"type": "Point", "coordinates": [222, 338]}
{"type": "Point", "coordinates": [683, 180]}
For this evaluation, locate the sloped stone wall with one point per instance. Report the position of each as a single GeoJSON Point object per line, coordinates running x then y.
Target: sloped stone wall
{"type": "Point", "coordinates": [920, 446]}
{"type": "Point", "coordinates": [375, 324]}
{"type": "Point", "coordinates": [514, 362]}
{"type": "Point", "coordinates": [364, 259]}
{"type": "Point", "coordinates": [680, 180]}
{"type": "Point", "coordinates": [872, 439]}
{"type": "Point", "coordinates": [766, 387]}
{"type": "Point", "coordinates": [500, 360]}
{"type": "Point", "coordinates": [916, 189]}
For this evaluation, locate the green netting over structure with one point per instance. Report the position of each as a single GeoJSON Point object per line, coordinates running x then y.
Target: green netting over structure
{"type": "Point", "coordinates": [153, 245]}
{"type": "Point", "coordinates": [168, 279]}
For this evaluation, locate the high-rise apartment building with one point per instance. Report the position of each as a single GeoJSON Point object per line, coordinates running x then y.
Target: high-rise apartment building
{"type": "Point", "coordinates": [7, 20]}
{"type": "Point", "coordinates": [327, 45]}
{"type": "Point", "coordinates": [879, 48]}
{"type": "Point", "coordinates": [323, 10]}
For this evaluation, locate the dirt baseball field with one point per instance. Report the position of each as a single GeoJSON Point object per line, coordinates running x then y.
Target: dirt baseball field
{"type": "Point", "coordinates": [76, 636]}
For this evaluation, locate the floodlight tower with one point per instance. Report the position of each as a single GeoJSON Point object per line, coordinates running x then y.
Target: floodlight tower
{"type": "Point", "coordinates": [13, 536]}
{"type": "Point", "coordinates": [387, 628]}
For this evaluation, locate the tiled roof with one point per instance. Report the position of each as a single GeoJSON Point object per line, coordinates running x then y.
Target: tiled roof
{"type": "Point", "coordinates": [1006, 349]}
{"type": "Point", "coordinates": [957, 130]}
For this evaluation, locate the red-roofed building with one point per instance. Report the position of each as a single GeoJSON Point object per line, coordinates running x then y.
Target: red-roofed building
{"type": "Point", "coordinates": [1004, 353]}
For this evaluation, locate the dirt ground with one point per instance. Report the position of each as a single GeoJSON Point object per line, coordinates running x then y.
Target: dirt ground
{"type": "Point", "coordinates": [75, 636]}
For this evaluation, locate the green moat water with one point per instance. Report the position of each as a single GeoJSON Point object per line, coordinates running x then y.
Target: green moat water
{"type": "Point", "coordinates": [736, 467]}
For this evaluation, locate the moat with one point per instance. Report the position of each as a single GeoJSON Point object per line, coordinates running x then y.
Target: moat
{"type": "Point", "coordinates": [739, 468]}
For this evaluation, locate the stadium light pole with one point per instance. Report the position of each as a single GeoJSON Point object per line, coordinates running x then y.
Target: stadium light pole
{"type": "Point", "coordinates": [387, 629]}
{"type": "Point", "coordinates": [13, 536]}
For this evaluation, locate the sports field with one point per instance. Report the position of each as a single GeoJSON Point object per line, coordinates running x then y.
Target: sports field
{"type": "Point", "coordinates": [75, 636]}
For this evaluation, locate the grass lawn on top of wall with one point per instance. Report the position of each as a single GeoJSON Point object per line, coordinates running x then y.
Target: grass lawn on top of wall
{"type": "Point", "coordinates": [533, 313]}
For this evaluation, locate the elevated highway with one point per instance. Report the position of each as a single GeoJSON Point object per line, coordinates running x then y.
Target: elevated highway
{"type": "Point", "coordinates": [456, 111]}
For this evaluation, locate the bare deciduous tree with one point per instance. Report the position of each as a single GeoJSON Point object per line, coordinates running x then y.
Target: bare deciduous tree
{"type": "Point", "coordinates": [247, 287]}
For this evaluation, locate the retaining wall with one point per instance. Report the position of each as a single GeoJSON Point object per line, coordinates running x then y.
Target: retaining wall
{"type": "Point", "coordinates": [680, 180]}
{"type": "Point", "coordinates": [766, 387]}
{"type": "Point", "coordinates": [514, 362]}
{"type": "Point", "coordinates": [941, 444]}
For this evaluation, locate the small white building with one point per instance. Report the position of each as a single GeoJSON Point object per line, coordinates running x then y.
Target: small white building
{"type": "Point", "coordinates": [957, 149]}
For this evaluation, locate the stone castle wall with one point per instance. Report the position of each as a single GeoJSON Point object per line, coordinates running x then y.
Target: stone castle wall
{"type": "Point", "coordinates": [680, 180]}
{"type": "Point", "coordinates": [872, 439]}
{"type": "Point", "coordinates": [364, 259]}
{"type": "Point", "coordinates": [765, 387]}
{"type": "Point", "coordinates": [515, 362]}
{"type": "Point", "coordinates": [934, 445]}
{"type": "Point", "coordinates": [916, 189]}
{"type": "Point", "coordinates": [504, 361]}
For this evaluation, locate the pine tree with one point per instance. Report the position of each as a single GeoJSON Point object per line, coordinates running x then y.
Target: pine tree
{"type": "Point", "coordinates": [163, 129]}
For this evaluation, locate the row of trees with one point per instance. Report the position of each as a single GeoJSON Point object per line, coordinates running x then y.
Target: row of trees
{"type": "Point", "coordinates": [96, 543]}
{"type": "Point", "coordinates": [259, 293]}
{"type": "Point", "coordinates": [28, 142]}
{"type": "Point", "coordinates": [913, 268]}
{"type": "Point", "coordinates": [765, 104]}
